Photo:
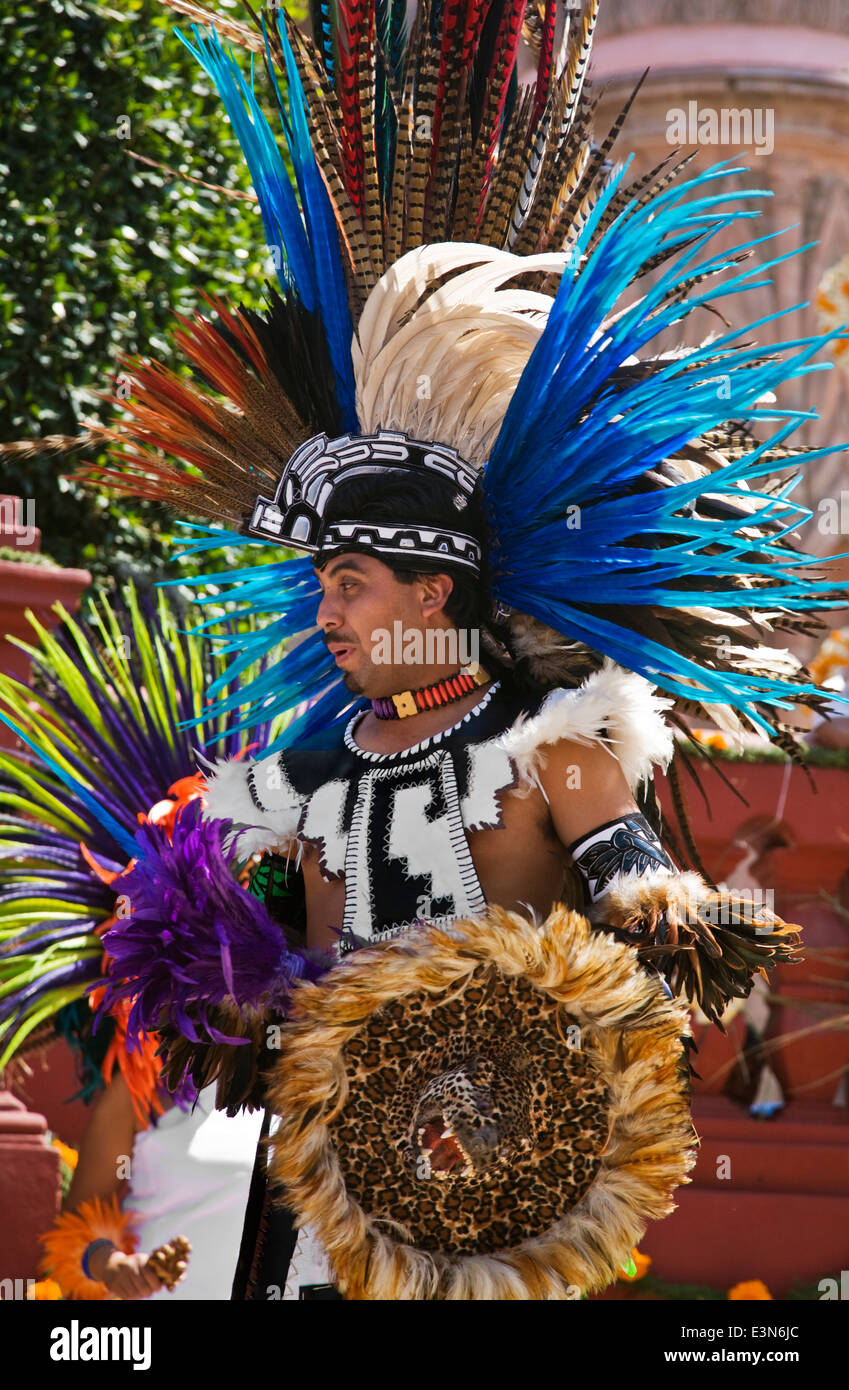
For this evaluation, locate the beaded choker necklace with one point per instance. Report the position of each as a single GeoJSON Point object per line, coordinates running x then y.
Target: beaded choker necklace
{"type": "Point", "coordinates": [443, 692]}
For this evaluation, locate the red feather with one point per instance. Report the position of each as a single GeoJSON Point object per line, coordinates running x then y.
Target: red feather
{"type": "Point", "coordinates": [476, 14]}
{"type": "Point", "coordinates": [546, 54]}
{"type": "Point", "coordinates": [503, 63]}
{"type": "Point", "coordinates": [168, 413]}
{"type": "Point", "coordinates": [353, 18]}
{"type": "Point", "coordinates": [447, 62]}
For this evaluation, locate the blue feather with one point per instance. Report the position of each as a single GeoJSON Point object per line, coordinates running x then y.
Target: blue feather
{"type": "Point", "coordinates": [324, 239]}
{"type": "Point", "coordinates": [281, 216]}
{"type": "Point", "coordinates": [571, 444]}
{"type": "Point", "coordinates": [323, 36]}
{"type": "Point", "coordinates": [298, 668]}
{"type": "Point", "coordinates": [300, 229]}
{"type": "Point", "coordinates": [73, 784]}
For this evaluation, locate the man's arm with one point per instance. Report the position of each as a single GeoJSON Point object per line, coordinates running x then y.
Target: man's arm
{"type": "Point", "coordinates": [108, 1138]}
{"type": "Point", "coordinates": [584, 786]}
{"type": "Point", "coordinates": [707, 943]}
{"type": "Point", "coordinates": [595, 816]}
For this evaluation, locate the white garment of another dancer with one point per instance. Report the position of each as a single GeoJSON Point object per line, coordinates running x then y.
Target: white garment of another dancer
{"type": "Point", "coordinates": [309, 1263]}
{"type": "Point", "coordinates": [190, 1177]}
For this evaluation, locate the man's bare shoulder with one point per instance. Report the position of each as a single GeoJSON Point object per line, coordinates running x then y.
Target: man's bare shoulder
{"type": "Point", "coordinates": [613, 715]}
{"type": "Point", "coordinates": [585, 787]}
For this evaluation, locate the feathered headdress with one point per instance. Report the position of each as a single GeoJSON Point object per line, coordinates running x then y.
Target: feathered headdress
{"type": "Point", "coordinates": [460, 264]}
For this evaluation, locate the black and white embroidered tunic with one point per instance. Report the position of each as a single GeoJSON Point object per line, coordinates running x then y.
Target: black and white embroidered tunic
{"type": "Point", "coordinates": [395, 826]}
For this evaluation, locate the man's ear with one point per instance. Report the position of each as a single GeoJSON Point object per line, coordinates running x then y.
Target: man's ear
{"type": "Point", "coordinates": [434, 592]}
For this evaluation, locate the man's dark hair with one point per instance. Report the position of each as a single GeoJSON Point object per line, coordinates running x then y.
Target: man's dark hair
{"type": "Point", "coordinates": [393, 499]}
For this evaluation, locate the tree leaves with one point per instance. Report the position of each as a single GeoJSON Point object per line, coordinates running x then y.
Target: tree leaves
{"type": "Point", "coordinates": [101, 248]}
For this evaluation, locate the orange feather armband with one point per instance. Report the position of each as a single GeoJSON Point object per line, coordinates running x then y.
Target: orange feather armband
{"type": "Point", "coordinates": [71, 1234]}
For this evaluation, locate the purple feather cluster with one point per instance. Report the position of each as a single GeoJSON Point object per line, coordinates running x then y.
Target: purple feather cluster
{"type": "Point", "coordinates": [195, 937]}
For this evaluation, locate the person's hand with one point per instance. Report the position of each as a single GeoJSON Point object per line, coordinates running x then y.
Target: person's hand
{"type": "Point", "coordinates": [125, 1276]}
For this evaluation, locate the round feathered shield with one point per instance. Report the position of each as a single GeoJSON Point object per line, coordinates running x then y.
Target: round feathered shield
{"type": "Point", "coordinates": [490, 1111]}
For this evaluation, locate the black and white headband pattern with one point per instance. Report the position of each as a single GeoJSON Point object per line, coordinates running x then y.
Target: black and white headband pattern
{"type": "Point", "coordinates": [296, 514]}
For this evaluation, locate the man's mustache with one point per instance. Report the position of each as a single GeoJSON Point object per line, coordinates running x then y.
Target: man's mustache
{"type": "Point", "coordinates": [338, 639]}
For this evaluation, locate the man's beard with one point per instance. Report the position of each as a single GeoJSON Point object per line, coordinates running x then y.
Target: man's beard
{"type": "Point", "coordinates": [353, 683]}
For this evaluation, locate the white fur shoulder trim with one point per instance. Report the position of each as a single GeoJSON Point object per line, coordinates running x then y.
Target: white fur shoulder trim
{"type": "Point", "coordinates": [613, 707]}
{"type": "Point", "coordinates": [270, 825]}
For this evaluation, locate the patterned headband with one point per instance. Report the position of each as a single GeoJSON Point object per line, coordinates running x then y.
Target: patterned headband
{"type": "Point", "coordinates": [296, 514]}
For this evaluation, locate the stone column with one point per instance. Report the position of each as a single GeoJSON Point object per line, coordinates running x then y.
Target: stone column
{"type": "Point", "coordinates": [29, 1193]}
{"type": "Point", "coordinates": [28, 586]}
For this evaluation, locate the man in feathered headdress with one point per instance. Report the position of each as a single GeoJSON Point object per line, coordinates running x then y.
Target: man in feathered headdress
{"type": "Point", "coordinates": [517, 523]}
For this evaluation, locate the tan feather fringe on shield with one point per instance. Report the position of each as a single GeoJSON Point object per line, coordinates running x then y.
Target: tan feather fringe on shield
{"type": "Point", "coordinates": [631, 1032]}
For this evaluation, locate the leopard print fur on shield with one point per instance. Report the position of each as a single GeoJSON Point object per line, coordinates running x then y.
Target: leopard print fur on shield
{"type": "Point", "coordinates": [502, 1065]}
{"type": "Point", "coordinates": [514, 1028]}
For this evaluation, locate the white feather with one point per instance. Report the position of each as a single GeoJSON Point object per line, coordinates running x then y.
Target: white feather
{"type": "Point", "coordinates": [441, 360]}
{"type": "Point", "coordinates": [613, 707]}
{"type": "Point", "coordinates": [227, 797]}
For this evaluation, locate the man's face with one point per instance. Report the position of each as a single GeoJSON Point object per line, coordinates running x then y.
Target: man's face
{"type": "Point", "coordinates": [362, 599]}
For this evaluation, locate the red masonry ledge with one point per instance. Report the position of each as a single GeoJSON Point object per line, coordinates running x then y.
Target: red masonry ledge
{"type": "Point", "coordinates": [722, 1237]}
{"type": "Point", "coordinates": [799, 828]}
{"type": "Point", "coordinates": [810, 818]}
{"type": "Point", "coordinates": [778, 1209]}
{"type": "Point", "coordinates": [16, 1120]}
{"type": "Point", "coordinates": [29, 1187]}
{"type": "Point", "coordinates": [802, 1149]}
{"type": "Point", "coordinates": [780, 1213]}
{"type": "Point", "coordinates": [38, 587]}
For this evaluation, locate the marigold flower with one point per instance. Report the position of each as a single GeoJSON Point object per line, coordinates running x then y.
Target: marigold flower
{"type": "Point", "coordinates": [66, 1152]}
{"type": "Point", "coordinates": [46, 1290]}
{"type": "Point", "coordinates": [711, 738]}
{"type": "Point", "coordinates": [749, 1290]}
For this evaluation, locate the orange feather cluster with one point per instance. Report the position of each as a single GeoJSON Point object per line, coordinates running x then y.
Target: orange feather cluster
{"type": "Point", "coordinates": [65, 1244]}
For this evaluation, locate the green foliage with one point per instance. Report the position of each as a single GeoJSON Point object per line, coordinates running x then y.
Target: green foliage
{"type": "Point", "coordinates": [66, 1172]}
{"type": "Point", "coordinates": [673, 1293]}
{"type": "Point", "coordinates": [806, 1293]}
{"type": "Point", "coordinates": [661, 1289]}
{"type": "Point", "coordinates": [27, 557]}
{"type": "Point", "coordinates": [101, 249]}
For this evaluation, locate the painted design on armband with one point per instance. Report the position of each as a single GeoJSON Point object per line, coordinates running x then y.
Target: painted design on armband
{"type": "Point", "coordinates": [627, 847]}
